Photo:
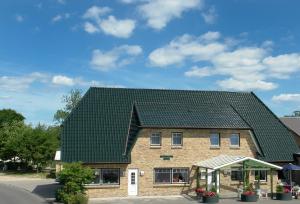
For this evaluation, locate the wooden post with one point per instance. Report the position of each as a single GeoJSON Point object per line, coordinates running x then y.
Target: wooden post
{"type": "Point", "coordinates": [206, 178]}
{"type": "Point", "coordinates": [271, 174]}
{"type": "Point", "coordinates": [198, 179]}
{"type": "Point", "coordinates": [216, 184]}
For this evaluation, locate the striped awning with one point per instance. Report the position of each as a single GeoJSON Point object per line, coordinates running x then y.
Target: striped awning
{"type": "Point", "coordinates": [222, 161]}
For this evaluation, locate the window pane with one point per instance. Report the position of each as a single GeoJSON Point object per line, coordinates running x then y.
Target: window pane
{"type": "Point", "coordinates": [180, 175]}
{"type": "Point", "coordinates": [235, 140]}
{"type": "Point", "coordinates": [215, 139]}
{"type": "Point", "coordinates": [236, 175]}
{"type": "Point", "coordinates": [97, 177]}
{"type": "Point", "coordinates": [176, 139]}
{"type": "Point", "coordinates": [155, 139]}
{"type": "Point", "coordinates": [163, 175]}
{"type": "Point", "coordinates": [110, 176]}
{"type": "Point", "coordinates": [261, 175]}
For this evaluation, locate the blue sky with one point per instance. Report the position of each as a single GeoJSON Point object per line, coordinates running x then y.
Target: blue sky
{"type": "Point", "coordinates": [48, 47]}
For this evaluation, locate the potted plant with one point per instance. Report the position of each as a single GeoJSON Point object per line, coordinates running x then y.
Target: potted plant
{"type": "Point", "coordinates": [296, 190]}
{"type": "Point", "coordinates": [249, 194]}
{"type": "Point", "coordinates": [283, 193]}
{"type": "Point", "coordinates": [211, 196]}
{"type": "Point", "coordinates": [199, 192]}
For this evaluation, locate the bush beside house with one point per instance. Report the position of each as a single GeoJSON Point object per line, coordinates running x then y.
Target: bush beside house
{"type": "Point", "coordinates": [73, 178]}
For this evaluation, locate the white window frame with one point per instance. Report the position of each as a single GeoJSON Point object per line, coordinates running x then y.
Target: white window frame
{"type": "Point", "coordinates": [99, 172]}
{"type": "Point", "coordinates": [212, 145]}
{"type": "Point", "coordinates": [266, 174]}
{"type": "Point", "coordinates": [176, 134]}
{"type": "Point", "coordinates": [155, 134]}
{"type": "Point", "coordinates": [239, 136]}
{"type": "Point", "coordinates": [171, 176]}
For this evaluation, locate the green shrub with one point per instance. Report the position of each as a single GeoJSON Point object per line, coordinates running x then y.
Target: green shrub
{"type": "Point", "coordinates": [73, 177]}
{"type": "Point", "coordinates": [279, 189]}
{"type": "Point", "coordinates": [213, 189]}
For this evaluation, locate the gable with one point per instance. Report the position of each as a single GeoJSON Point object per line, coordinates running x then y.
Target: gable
{"type": "Point", "coordinates": [99, 127]}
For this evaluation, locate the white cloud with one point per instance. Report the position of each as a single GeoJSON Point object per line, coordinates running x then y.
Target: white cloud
{"type": "Point", "coordinates": [287, 97]}
{"type": "Point", "coordinates": [117, 57]}
{"type": "Point", "coordinates": [243, 68]}
{"type": "Point", "coordinates": [187, 47]}
{"type": "Point", "coordinates": [62, 80]}
{"type": "Point", "coordinates": [240, 85]}
{"type": "Point", "coordinates": [121, 28]}
{"type": "Point", "coordinates": [60, 17]}
{"type": "Point", "coordinates": [118, 28]}
{"type": "Point", "coordinates": [210, 16]}
{"type": "Point", "coordinates": [20, 83]}
{"type": "Point", "coordinates": [61, 1]}
{"type": "Point", "coordinates": [19, 18]}
{"type": "Point", "coordinates": [158, 13]}
{"type": "Point", "coordinates": [90, 28]}
{"type": "Point", "coordinates": [282, 66]}
{"type": "Point", "coordinates": [199, 72]}
{"type": "Point", "coordinates": [95, 12]}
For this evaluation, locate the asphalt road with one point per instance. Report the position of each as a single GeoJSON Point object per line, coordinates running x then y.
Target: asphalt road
{"type": "Point", "coordinates": [14, 195]}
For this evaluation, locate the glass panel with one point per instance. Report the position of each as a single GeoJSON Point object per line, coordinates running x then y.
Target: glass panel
{"type": "Point", "coordinates": [180, 175]}
{"type": "Point", "coordinates": [236, 175]}
{"type": "Point", "coordinates": [155, 139]}
{"type": "Point", "coordinates": [163, 175]}
{"type": "Point", "coordinates": [235, 140]}
{"type": "Point", "coordinates": [261, 175]}
{"type": "Point", "coordinates": [215, 139]}
{"type": "Point", "coordinates": [110, 176]}
{"type": "Point", "coordinates": [176, 138]}
{"type": "Point", "coordinates": [97, 177]}
{"type": "Point", "coordinates": [132, 178]}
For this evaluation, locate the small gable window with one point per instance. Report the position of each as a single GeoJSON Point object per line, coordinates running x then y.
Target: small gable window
{"type": "Point", "coordinates": [176, 139]}
{"type": "Point", "coordinates": [235, 140]}
{"type": "Point", "coordinates": [215, 140]}
{"type": "Point", "coordinates": [155, 139]}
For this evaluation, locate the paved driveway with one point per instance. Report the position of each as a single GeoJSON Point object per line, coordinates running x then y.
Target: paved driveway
{"type": "Point", "coordinates": [43, 188]}
{"type": "Point", "coordinates": [178, 200]}
{"type": "Point", "coordinates": [12, 195]}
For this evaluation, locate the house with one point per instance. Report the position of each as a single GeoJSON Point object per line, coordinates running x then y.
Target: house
{"type": "Point", "coordinates": [293, 123]}
{"type": "Point", "coordinates": [148, 142]}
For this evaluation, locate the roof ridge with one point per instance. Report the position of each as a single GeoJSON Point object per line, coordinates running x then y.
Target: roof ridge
{"type": "Point", "coordinates": [169, 89]}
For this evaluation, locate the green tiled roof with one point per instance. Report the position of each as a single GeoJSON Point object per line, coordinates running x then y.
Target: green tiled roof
{"type": "Point", "coordinates": [104, 124]}
{"type": "Point", "coordinates": [181, 115]}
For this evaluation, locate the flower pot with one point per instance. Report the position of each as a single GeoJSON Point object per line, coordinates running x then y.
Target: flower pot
{"type": "Point", "coordinates": [208, 199]}
{"type": "Point", "coordinates": [284, 196]}
{"type": "Point", "coordinates": [249, 198]}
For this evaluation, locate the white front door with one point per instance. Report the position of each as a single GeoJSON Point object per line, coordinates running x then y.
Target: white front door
{"type": "Point", "coordinates": [132, 182]}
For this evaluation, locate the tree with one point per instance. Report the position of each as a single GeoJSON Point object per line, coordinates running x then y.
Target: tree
{"type": "Point", "coordinates": [295, 114]}
{"type": "Point", "coordinates": [70, 101]}
{"type": "Point", "coordinates": [9, 116]}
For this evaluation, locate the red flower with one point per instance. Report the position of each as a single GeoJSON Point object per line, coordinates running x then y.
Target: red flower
{"type": "Point", "coordinates": [248, 193]}
{"type": "Point", "coordinates": [209, 194]}
{"type": "Point", "coordinates": [200, 190]}
{"type": "Point", "coordinates": [286, 190]}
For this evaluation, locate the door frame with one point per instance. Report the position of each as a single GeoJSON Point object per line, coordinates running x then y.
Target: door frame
{"type": "Point", "coordinates": [137, 180]}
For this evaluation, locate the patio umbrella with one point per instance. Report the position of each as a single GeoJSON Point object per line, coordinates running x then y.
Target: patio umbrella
{"type": "Point", "coordinates": [290, 168]}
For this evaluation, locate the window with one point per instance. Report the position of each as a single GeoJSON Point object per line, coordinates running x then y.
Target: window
{"type": "Point", "coordinates": [215, 140]}
{"type": "Point", "coordinates": [107, 177]}
{"type": "Point", "coordinates": [235, 140]}
{"type": "Point", "coordinates": [177, 139]}
{"type": "Point", "coordinates": [171, 175]}
{"type": "Point", "coordinates": [236, 174]}
{"type": "Point", "coordinates": [260, 175]}
{"type": "Point", "coordinates": [155, 139]}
